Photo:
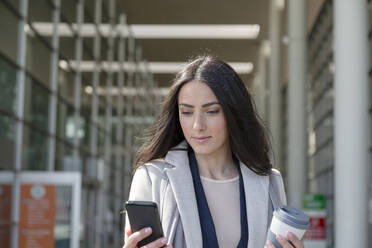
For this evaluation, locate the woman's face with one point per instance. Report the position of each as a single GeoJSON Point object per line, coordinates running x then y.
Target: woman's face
{"type": "Point", "coordinates": [202, 120]}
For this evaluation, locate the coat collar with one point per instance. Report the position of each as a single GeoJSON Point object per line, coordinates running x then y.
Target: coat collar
{"type": "Point", "coordinates": [180, 179]}
{"type": "Point", "coordinates": [256, 194]}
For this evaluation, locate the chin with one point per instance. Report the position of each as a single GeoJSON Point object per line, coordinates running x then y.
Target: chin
{"type": "Point", "coordinates": [203, 149]}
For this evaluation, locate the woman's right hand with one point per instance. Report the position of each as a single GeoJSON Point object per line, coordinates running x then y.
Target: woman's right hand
{"type": "Point", "coordinates": [134, 238]}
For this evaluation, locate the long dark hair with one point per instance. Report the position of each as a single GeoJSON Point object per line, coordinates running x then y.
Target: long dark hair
{"type": "Point", "coordinates": [247, 136]}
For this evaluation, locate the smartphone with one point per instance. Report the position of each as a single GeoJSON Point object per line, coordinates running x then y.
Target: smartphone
{"type": "Point", "coordinates": [144, 214]}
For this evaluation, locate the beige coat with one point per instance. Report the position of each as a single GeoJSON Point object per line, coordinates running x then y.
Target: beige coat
{"type": "Point", "coordinates": [168, 182]}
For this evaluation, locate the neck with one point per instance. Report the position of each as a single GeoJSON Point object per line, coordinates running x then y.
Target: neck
{"type": "Point", "coordinates": [219, 166]}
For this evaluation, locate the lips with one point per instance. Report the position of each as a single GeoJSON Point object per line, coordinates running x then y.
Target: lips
{"type": "Point", "coordinates": [201, 139]}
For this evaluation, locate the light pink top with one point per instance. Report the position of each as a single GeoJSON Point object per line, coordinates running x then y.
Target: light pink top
{"type": "Point", "coordinates": [224, 205]}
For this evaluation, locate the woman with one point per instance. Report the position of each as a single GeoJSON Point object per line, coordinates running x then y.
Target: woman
{"type": "Point", "coordinates": [206, 165]}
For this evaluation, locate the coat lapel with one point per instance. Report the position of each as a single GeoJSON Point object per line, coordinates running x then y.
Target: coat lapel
{"type": "Point", "coordinates": [257, 198]}
{"type": "Point", "coordinates": [180, 179]}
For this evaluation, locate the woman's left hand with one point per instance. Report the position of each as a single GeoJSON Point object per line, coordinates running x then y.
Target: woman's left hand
{"type": "Point", "coordinates": [294, 241]}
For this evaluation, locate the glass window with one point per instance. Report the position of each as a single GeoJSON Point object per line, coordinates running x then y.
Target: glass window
{"type": "Point", "coordinates": [86, 115]}
{"type": "Point", "coordinates": [112, 178]}
{"type": "Point", "coordinates": [125, 130]}
{"type": "Point", "coordinates": [36, 108]}
{"type": "Point", "coordinates": [102, 116]}
{"type": "Point", "coordinates": [13, 3]}
{"type": "Point", "coordinates": [8, 86]}
{"type": "Point", "coordinates": [85, 159]}
{"type": "Point", "coordinates": [65, 121]}
{"type": "Point", "coordinates": [66, 82]}
{"type": "Point", "coordinates": [86, 95]}
{"type": "Point", "coordinates": [89, 11]}
{"type": "Point", "coordinates": [117, 55]}
{"type": "Point", "coordinates": [87, 130]}
{"type": "Point", "coordinates": [64, 159]}
{"type": "Point", "coordinates": [114, 131]}
{"type": "Point", "coordinates": [8, 31]}
{"type": "Point", "coordinates": [68, 10]}
{"type": "Point", "coordinates": [67, 47]}
{"type": "Point", "coordinates": [7, 139]}
{"type": "Point", "coordinates": [38, 59]}
{"type": "Point", "coordinates": [101, 139]}
{"type": "Point", "coordinates": [104, 48]}
{"type": "Point", "coordinates": [62, 226]}
{"type": "Point", "coordinates": [88, 48]}
{"type": "Point", "coordinates": [86, 140]}
{"type": "Point", "coordinates": [34, 149]}
{"type": "Point", "coordinates": [40, 11]}
{"type": "Point", "coordinates": [104, 11]}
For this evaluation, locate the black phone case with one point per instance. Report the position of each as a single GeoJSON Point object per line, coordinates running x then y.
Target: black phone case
{"type": "Point", "coordinates": [144, 214]}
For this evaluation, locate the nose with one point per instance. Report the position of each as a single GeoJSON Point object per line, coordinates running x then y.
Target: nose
{"type": "Point", "coordinates": [198, 122]}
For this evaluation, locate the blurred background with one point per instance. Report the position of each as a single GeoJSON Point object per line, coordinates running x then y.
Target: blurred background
{"type": "Point", "coordinates": [80, 81]}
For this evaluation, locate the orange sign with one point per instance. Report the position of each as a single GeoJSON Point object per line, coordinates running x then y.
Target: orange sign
{"type": "Point", "coordinates": [5, 222]}
{"type": "Point", "coordinates": [37, 216]}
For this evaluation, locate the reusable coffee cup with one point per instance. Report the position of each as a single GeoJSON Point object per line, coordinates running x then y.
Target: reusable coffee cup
{"type": "Point", "coordinates": [287, 219]}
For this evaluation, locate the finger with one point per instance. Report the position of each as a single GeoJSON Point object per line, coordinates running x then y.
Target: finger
{"type": "Point", "coordinates": [294, 240]}
{"type": "Point", "coordinates": [269, 244]}
{"type": "Point", "coordinates": [157, 243]}
{"type": "Point", "coordinates": [138, 236]}
{"type": "Point", "coordinates": [283, 242]}
{"type": "Point", "coordinates": [128, 231]}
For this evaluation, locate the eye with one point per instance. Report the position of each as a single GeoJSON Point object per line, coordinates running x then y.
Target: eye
{"type": "Point", "coordinates": [213, 111]}
{"type": "Point", "coordinates": [186, 112]}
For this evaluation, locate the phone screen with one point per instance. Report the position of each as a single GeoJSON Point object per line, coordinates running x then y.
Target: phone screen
{"type": "Point", "coordinates": [144, 214]}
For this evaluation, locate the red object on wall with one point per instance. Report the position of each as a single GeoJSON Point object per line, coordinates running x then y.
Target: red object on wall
{"type": "Point", "coordinates": [317, 229]}
{"type": "Point", "coordinates": [5, 210]}
{"type": "Point", "coordinates": [37, 216]}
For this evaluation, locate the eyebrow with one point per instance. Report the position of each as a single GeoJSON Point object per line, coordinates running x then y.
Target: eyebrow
{"type": "Point", "coordinates": [203, 106]}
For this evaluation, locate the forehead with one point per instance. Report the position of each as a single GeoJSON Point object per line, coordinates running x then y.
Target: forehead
{"type": "Point", "coordinates": [196, 92]}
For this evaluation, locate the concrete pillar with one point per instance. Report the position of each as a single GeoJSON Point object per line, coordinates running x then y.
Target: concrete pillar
{"type": "Point", "coordinates": [275, 78]}
{"type": "Point", "coordinates": [351, 53]}
{"type": "Point", "coordinates": [297, 138]}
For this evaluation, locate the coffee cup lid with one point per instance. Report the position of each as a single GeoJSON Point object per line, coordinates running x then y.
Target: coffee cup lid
{"type": "Point", "coordinates": [292, 217]}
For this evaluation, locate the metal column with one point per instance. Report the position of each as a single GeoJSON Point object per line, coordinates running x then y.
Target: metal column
{"type": "Point", "coordinates": [77, 84]}
{"type": "Point", "coordinates": [151, 90]}
{"type": "Point", "coordinates": [275, 79]}
{"type": "Point", "coordinates": [138, 103]}
{"type": "Point", "coordinates": [352, 125]}
{"type": "Point", "coordinates": [96, 72]}
{"type": "Point", "coordinates": [94, 239]}
{"type": "Point", "coordinates": [119, 133]}
{"type": "Point", "coordinates": [54, 88]}
{"type": "Point", "coordinates": [129, 112]}
{"type": "Point", "coordinates": [21, 61]}
{"type": "Point", "coordinates": [108, 119]}
{"type": "Point", "coordinates": [297, 132]}
{"type": "Point", "coordinates": [262, 79]}
{"type": "Point", "coordinates": [141, 82]}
